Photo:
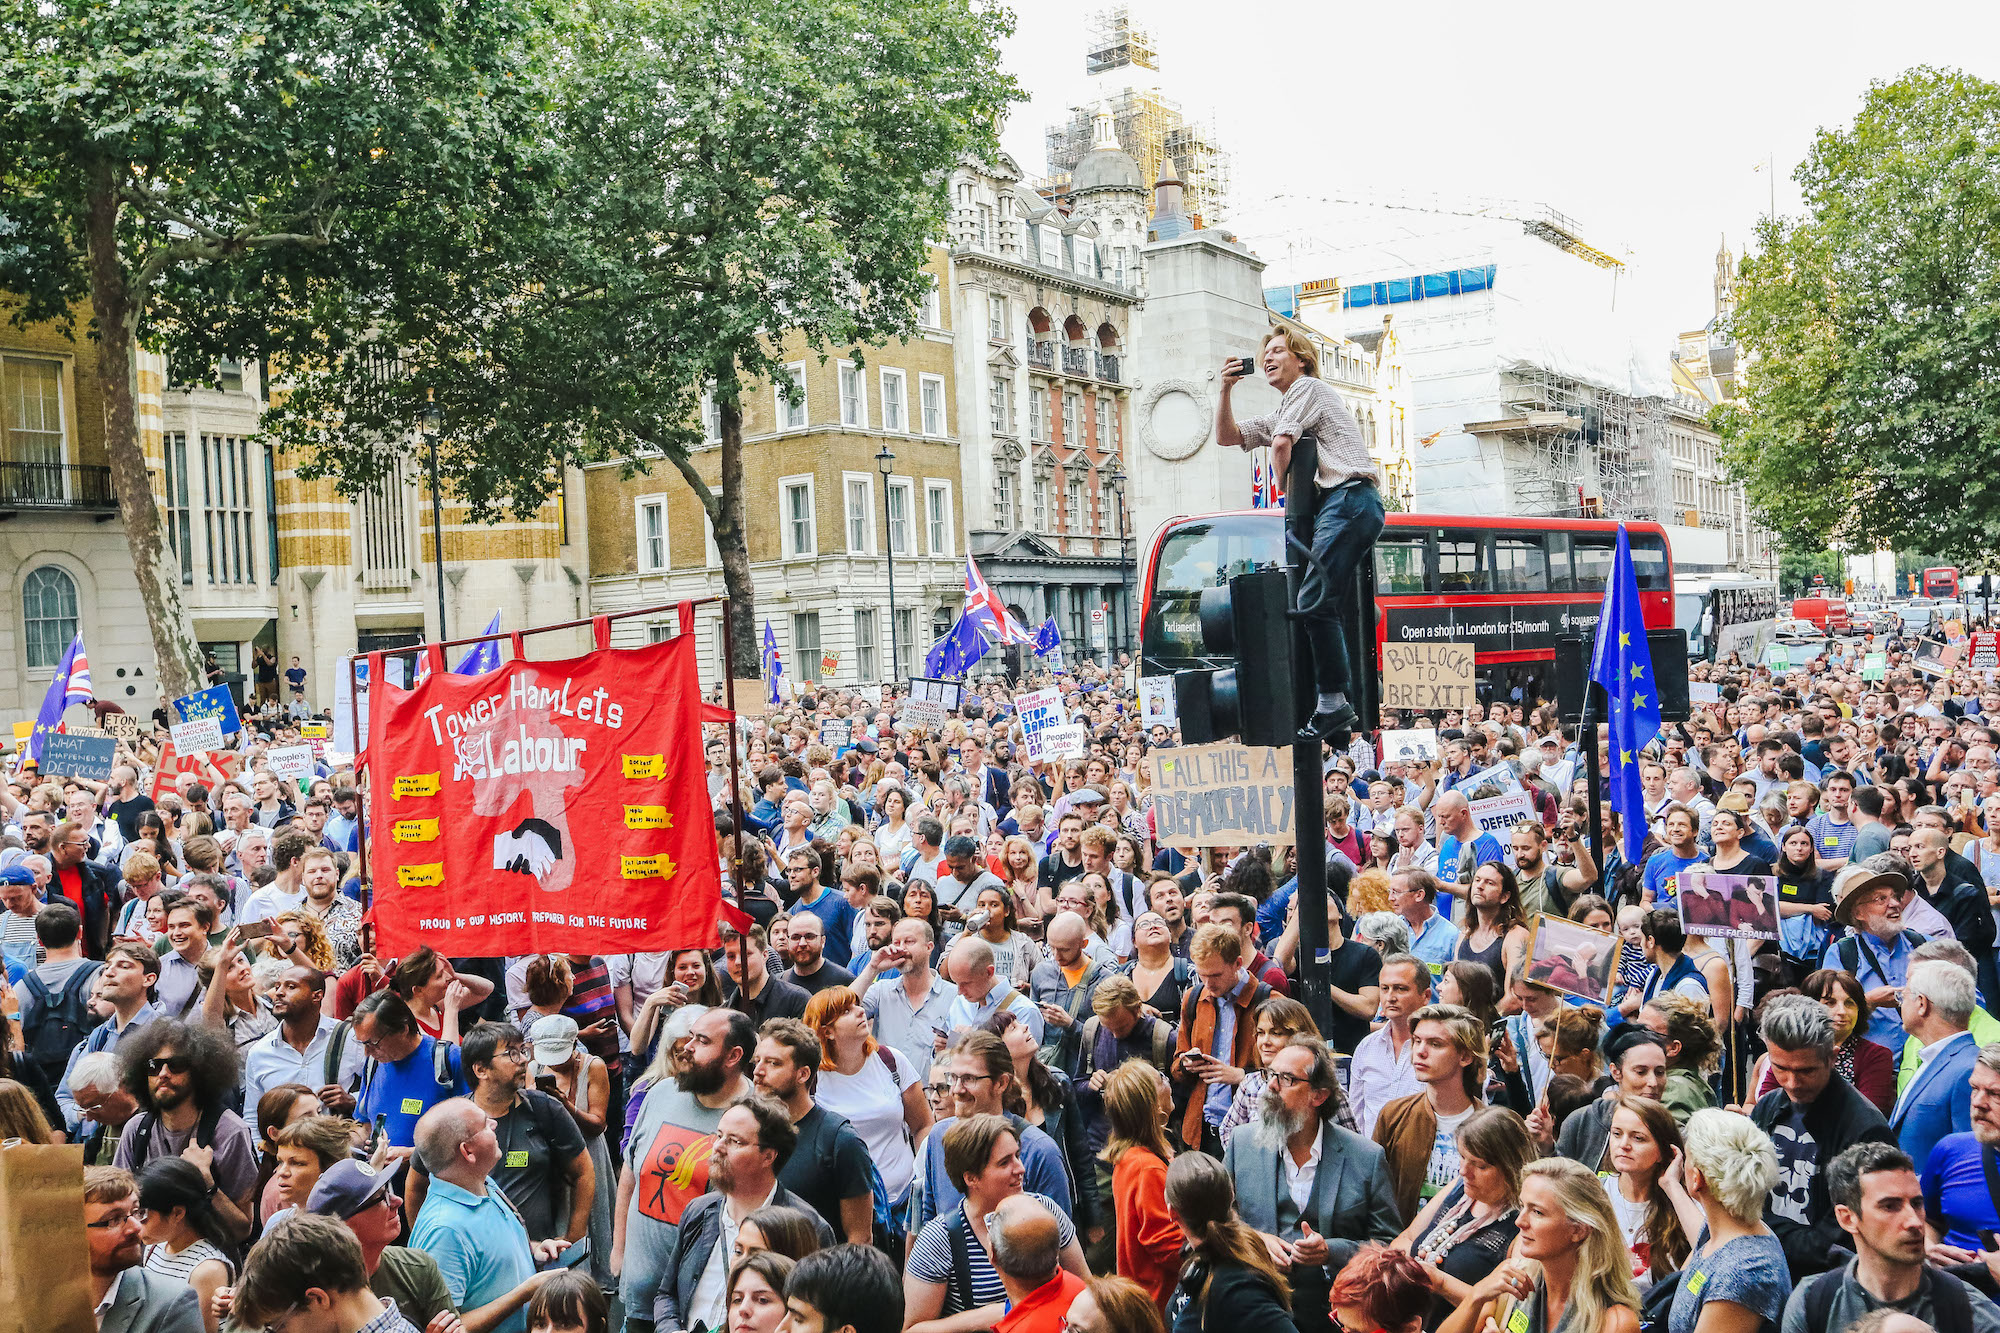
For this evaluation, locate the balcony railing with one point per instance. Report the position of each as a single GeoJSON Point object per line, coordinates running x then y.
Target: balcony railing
{"type": "Point", "coordinates": [1107, 367]}
{"type": "Point", "coordinates": [1042, 354]}
{"type": "Point", "coordinates": [55, 486]}
{"type": "Point", "coordinates": [1076, 361]}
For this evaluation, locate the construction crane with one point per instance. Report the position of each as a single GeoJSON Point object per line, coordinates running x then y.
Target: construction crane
{"type": "Point", "coordinates": [1540, 221]}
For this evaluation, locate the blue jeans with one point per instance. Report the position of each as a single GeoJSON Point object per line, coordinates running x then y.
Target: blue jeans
{"type": "Point", "coordinates": [1344, 531]}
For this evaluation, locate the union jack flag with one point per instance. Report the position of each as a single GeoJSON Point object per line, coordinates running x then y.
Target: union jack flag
{"type": "Point", "coordinates": [1264, 483]}
{"type": "Point", "coordinates": [988, 612]}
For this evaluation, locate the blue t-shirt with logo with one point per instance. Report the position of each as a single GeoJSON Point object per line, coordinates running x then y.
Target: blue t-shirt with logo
{"type": "Point", "coordinates": [1663, 870]}
{"type": "Point", "coordinates": [1451, 851]}
{"type": "Point", "coordinates": [406, 1089]}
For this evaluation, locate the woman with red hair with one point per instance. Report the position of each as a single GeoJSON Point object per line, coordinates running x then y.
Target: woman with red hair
{"type": "Point", "coordinates": [1381, 1291]}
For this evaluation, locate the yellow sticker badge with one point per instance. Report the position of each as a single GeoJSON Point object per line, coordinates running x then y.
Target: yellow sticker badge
{"type": "Point", "coordinates": [658, 866]}
{"type": "Point", "coordinates": [517, 1159]}
{"type": "Point", "coordinates": [416, 784]}
{"type": "Point", "coordinates": [1517, 1322]}
{"type": "Point", "coordinates": [415, 830]}
{"type": "Point", "coordinates": [648, 816]}
{"type": "Point", "coordinates": [420, 877]}
{"type": "Point", "coordinates": [644, 765]}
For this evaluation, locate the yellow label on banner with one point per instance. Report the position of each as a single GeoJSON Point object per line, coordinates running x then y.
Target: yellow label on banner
{"type": "Point", "coordinates": [645, 765]}
{"type": "Point", "coordinates": [658, 866]}
{"type": "Point", "coordinates": [415, 830]}
{"type": "Point", "coordinates": [421, 877]}
{"type": "Point", "coordinates": [416, 784]}
{"type": "Point", "coordinates": [517, 1159]}
{"type": "Point", "coordinates": [412, 1106]}
{"type": "Point", "coordinates": [648, 816]}
{"type": "Point", "coordinates": [315, 731]}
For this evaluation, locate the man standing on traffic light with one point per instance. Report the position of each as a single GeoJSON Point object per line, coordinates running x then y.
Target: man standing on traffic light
{"type": "Point", "coordinates": [1348, 519]}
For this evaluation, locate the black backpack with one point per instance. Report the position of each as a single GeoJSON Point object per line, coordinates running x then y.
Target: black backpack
{"type": "Point", "coordinates": [140, 1133]}
{"type": "Point", "coordinates": [1951, 1307]}
{"type": "Point", "coordinates": [62, 1019]}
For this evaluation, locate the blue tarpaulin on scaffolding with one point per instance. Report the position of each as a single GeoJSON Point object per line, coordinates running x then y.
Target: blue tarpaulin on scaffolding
{"type": "Point", "coordinates": [1420, 287]}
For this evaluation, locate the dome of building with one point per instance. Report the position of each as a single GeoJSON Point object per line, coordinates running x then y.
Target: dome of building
{"type": "Point", "coordinates": [1106, 166]}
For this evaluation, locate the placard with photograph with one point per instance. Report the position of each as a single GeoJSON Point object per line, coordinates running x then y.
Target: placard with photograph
{"type": "Point", "coordinates": [1572, 958]}
{"type": "Point", "coordinates": [1733, 907]}
{"type": "Point", "coordinates": [1409, 745]}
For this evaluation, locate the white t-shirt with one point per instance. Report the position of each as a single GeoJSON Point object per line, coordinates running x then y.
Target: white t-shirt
{"type": "Point", "coordinates": [1631, 1221]}
{"type": "Point", "coordinates": [872, 1101]}
{"type": "Point", "coordinates": [1444, 1164]}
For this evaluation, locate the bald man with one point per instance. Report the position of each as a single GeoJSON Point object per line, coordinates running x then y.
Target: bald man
{"type": "Point", "coordinates": [1462, 848]}
{"type": "Point", "coordinates": [1062, 987]}
{"type": "Point", "coordinates": [1041, 1274]}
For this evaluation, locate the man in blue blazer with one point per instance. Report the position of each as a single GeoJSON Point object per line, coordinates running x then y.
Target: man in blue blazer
{"type": "Point", "coordinates": [1304, 1179]}
{"type": "Point", "coordinates": [1938, 998]}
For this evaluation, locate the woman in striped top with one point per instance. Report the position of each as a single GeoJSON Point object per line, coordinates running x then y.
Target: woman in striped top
{"type": "Point", "coordinates": [184, 1238]}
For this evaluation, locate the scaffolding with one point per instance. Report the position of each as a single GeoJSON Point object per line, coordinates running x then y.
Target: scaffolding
{"type": "Point", "coordinates": [1115, 42]}
{"type": "Point", "coordinates": [1152, 128]}
{"type": "Point", "coordinates": [1571, 449]}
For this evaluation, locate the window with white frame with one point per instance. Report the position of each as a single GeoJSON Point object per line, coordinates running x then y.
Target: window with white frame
{"type": "Point", "coordinates": [48, 605]}
{"type": "Point", "coordinates": [895, 400]}
{"type": "Point", "coordinates": [805, 645]}
{"type": "Point", "coordinates": [1075, 506]}
{"type": "Point", "coordinates": [867, 648]}
{"type": "Point", "coordinates": [1103, 424]}
{"type": "Point", "coordinates": [996, 316]}
{"type": "Point", "coordinates": [1041, 504]}
{"type": "Point", "coordinates": [900, 493]}
{"type": "Point", "coordinates": [1085, 251]}
{"type": "Point", "coordinates": [31, 419]}
{"type": "Point", "coordinates": [931, 390]}
{"type": "Point", "coordinates": [906, 637]}
{"type": "Point", "coordinates": [1006, 500]}
{"type": "Point", "coordinates": [937, 516]}
{"type": "Point", "coordinates": [650, 520]}
{"type": "Point", "coordinates": [860, 493]}
{"type": "Point", "coordinates": [985, 225]}
{"type": "Point", "coordinates": [1051, 246]}
{"type": "Point", "coordinates": [711, 417]}
{"type": "Point", "coordinates": [228, 505]}
{"type": "Point", "coordinates": [1001, 401]}
{"type": "Point", "coordinates": [853, 395]}
{"type": "Point", "coordinates": [180, 532]}
{"type": "Point", "coordinates": [800, 524]}
{"type": "Point", "coordinates": [792, 412]}
{"type": "Point", "coordinates": [1072, 410]}
{"type": "Point", "coordinates": [1038, 413]}
{"type": "Point", "coordinates": [659, 631]}
{"type": "Point", "coordinates": [930, 313]}
{"type": "Point", "coordinates": [1118, 264]}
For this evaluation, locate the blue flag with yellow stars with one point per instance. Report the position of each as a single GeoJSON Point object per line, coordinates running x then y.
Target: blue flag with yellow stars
{"type": "Point", "coordinates": [1623, 665]}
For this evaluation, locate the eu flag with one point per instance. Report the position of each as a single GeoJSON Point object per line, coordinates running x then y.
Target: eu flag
{"type": "Point", "coordinates": [70, 685]}
{"type": "Point", "coordinates": [957, 652]}
{"type": "Point", "coordinates": [774, 665]}
{"type": "Point", "coordinates": [1047, 638]}
{"type": "Point", "coordinates": [1623, 665]}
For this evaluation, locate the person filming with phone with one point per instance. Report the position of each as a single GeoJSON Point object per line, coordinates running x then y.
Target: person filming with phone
{"type": "Point", "coordinates": [1349, 516]}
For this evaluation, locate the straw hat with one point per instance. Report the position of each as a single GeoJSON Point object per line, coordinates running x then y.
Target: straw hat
{"type": "Point", "coordinates": [1856, 882]}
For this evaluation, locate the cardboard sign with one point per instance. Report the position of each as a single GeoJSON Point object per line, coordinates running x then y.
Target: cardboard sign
{"type": "Point", "coordinates": [291, 763]}
{"type": "Point", "coordinates": [214, 702]}
{"type": "Point", "coordinates": [202, 733]}
{"type": "Point", "coordinates": [1985, 651]}
{"type": "Point", "coordinates": [212, 769]}
{"type": "Point", "coordinates": [1431, 677]}
{"type": "Point", "coordinates": [24, 732]}
{"type": "Point", "coordinates": [1156, 701]}
{"type": "Point", "coordinates": [1070, 741]}
{"type": "Point", "coordinates": [1736, 907]}
{"type": "Point", "coordinates": [122, 725]}
{"type": "Point", "coordinates": [1704, 692]}
{"type": "Point", "coordinates": [78, 756]}
{"type": "Point", "coordinates": [829, 663]}
{"type": "Point", "coordinates": [529, 771]}
{"type": "Point", "coordinates": [1571, 958]}
{"type": "Point", "coordinates": [924, 714]}
{"type": "Point", "coordinates": [1875, 666]}
{"type": "Point", "coordinates": [1409, 745]}
{"type": "Point", "coordinates": [751, 698]}
{"type": "Point", "coordinates": [1040, 708]}
{"type": "Point", "coordinates": [1208, 795]}
{"type": "Point", "coordinates": [1498, 814]}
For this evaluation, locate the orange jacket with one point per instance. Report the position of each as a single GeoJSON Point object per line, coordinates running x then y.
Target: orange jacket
{"type": "Point", "coordinates": [1149, 1240]}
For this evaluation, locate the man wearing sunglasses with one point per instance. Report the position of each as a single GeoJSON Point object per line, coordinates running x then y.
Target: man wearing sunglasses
{"type": "Point", "coordinates": [128, 1297]}
{"type": "Point", "coordinates": [181, 1075]}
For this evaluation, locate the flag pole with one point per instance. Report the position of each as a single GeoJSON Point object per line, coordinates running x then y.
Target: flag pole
{"type": "Point", "coordinates": [1594, 772]}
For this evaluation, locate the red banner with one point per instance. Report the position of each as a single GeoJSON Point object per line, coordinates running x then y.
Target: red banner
{"type": "Point", "coordinates": [544, 807]}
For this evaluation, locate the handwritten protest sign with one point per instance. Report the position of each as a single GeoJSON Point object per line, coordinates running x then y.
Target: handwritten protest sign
{"type": "Point", "coordinates": [1778, 656]}
{"type": "Point", "coordinates": [291, 763]}
{"type": "Point", "coordinates": [1428, 676]}
{"type": "Point", "coordinates": [1156, 701]}
{"type": "Point", "coordinates": [1875, 666]}
{"type": "Point", "coordinates": [122, 725]}
{"type": "Point", "coordinates": [750, 698]}
{"type": "Point", "coordinates": [1985, 651]}
{"type": "Point", "coordinates": [1228, 794]}
{"type": "Point", "coordinates": [1704, 692]}
{"type": "Point", "coordinates": [202, 733]}
{"type": "Point", "coordinates": [211, 769]}
{"type": "Point", "coordinates": [1040, 708]}
{"type": "Point", "coordinates": [78, 756]}
{"type": "Point", "coordinates": [927, 714]}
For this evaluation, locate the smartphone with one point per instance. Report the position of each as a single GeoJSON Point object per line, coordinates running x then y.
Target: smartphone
{"type": "Point", "coordinates": [545, 1082]}
{"type": "Point", "coordinates": [1246, 365]}
{"type": "Point", "coordinates": [575, 1256]}
{"type": "Point", "coordinates": [1989, 1241]}
{"type": "Point", "coordinates": [256, 930]}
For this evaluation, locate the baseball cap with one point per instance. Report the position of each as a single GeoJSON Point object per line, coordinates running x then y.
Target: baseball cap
{"type": "Point", "coordinates": [346, 1188]}
{"type": "Point", "coordinates": [554, 1038]}
{"type": "Point", "coordinates": [17, 874]}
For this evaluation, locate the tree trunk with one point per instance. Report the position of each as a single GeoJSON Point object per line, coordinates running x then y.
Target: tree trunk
{"type": "Point", "coordinates": [117, 309]}
{"type": "Point", "coordinates": [731, 542]}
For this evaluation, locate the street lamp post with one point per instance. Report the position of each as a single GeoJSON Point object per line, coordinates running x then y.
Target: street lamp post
{"type": "Point", "coordinates": [433, 427]}
{"type": "Point", "coordinates": [885, 463]}
{"type": "Point", "coordinates": [1114, 480]}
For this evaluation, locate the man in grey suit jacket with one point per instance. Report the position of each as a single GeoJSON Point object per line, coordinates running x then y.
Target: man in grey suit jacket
{"type": "Point", "coordinates": [1301, 1178]}
{"type": "Point", "coordinates": [129, 1299]}
{"type": "Point", "coordinates": [752, 1141]}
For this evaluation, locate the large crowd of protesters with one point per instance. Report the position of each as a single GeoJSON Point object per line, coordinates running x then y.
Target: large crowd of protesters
{"type": "Point", "coordinates": [980, 1052]}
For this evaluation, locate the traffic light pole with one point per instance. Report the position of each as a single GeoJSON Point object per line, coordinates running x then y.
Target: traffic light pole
{"type": "Point", "coordinates": [1309, 784]}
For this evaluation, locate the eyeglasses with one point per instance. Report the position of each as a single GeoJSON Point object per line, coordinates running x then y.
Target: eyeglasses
{"type": "Point", "coordinates": [113, 1221]}
{"type": "Point", "coordinates": [179, 1064]}
{"type": "Point", "coordinates": [1286, 1079]}
{"type": "Point", "coordinates": [518, 1054]}
{"type": "Point", "coordinates": [937, 1089]}
{"type": "Point", "coordinates": [965, 1080]}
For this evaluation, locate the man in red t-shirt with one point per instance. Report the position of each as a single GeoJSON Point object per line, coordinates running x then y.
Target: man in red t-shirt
{"type": "Point", "coordinates": [1034, 1266]}
{"type": "Point", "coordinates": [89, 887]}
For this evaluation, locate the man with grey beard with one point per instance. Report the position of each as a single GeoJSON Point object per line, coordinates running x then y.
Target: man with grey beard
{"type": "Point", "coordinates": [1301, 1178]}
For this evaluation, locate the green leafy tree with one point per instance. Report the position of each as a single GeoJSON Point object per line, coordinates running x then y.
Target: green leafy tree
{"type": "Point", "coordinates": [182, 169]}
{"type": "Point", "coordinates": [1872, 325]}
{"type": "Point", "coordinates": [729, 173]}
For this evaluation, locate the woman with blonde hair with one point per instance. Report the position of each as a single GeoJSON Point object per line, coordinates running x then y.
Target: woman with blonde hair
{"type": "Point", "coordinates": [20, 1116]}
{"type": "Point", "coordinates": [307, 940]}
{"type": "Point", "coordinates": [1368, 892]}
{"type": "Point", "coordinates": [1019, 867]}
{"type": "Point", "coordinates": [1570, 1271]}
{"type": "Point", "coordinates": [1228, 1279]}
{"type": "Point", "coordinates": [1137, 1105]}
{"type": "Point", "coordinates": [1723, 1178]}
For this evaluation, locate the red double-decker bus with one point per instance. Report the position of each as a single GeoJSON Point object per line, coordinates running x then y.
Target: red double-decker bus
{"type": "Point", "coordinates": [1508, 586]}
{"type": "Point", "coordinates": [1941, 582]}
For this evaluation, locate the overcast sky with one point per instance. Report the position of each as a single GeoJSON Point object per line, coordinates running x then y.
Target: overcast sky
{"type": "Point", "coordinates": [1645, 130]}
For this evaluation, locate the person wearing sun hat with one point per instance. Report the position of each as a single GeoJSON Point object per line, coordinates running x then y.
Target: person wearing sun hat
{"type": "Point", "coordinates": [1869, 901]}
{"type": "Point", "coordinates": [364, 1199]}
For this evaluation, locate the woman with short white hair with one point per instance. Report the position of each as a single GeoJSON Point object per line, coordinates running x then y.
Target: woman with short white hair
{"type": "Point", "coordinates": [1736, 1277]}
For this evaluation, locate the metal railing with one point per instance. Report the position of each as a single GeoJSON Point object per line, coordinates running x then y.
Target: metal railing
{"type": "Point", "coordinates": [1076, 361]}
{"type": "Point", "coordinates": [55, 486]}
{"type": "Point", "coordinates": [1042, 354]}
{"type": "Point", "coordinates": [1107, 367]}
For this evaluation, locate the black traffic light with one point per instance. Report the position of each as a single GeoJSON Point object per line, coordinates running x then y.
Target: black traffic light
{"type": "Point", "coordinates": [1245, 621]}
